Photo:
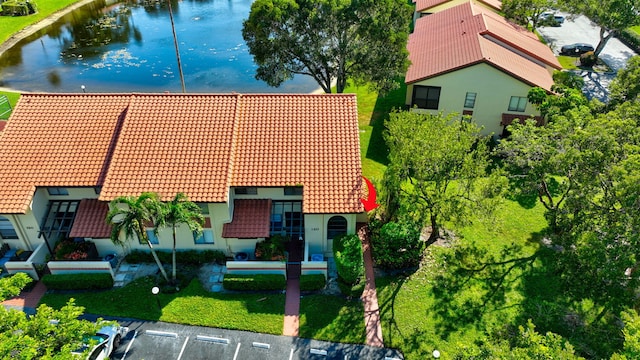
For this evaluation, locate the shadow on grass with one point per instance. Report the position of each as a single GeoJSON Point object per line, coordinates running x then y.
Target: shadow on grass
{"type": "Point", "coordinates": [476, 283]}
{"type": "Point", "coordinates": [332, 318]}
{"type": "Point", "coordinates": [377, 150]}
{"type": "Point", "coordinates": [525, 194]}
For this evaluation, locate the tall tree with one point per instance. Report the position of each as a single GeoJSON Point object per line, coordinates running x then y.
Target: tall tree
{"type": "Point", "coordinates": [329, 40]}
{"type": "Point", "coordinates": [612, 16]}
{"type": "Point", "coordinates": [439, 166]}
{"type": "Point", "coordinates": [130, 215]}
{"type": "Point", "coordinates": [626, 85]}
{"type": "Point", "coordinates": [38, 337]}
{"type": "Point", "coordinates": [175, 213]}
{"type": "Point", "coordinates": [526, 12]}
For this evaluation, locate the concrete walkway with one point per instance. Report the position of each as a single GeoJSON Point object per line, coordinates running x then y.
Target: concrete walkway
{"type": "Point", "coordinates": [292, 298]}
{"type": "Point", "coordinates": [369, 295]}
{"type": "Point", "coordinates": [27, 301]}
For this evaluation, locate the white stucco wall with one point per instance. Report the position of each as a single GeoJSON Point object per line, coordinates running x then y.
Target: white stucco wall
{"type": "Point", "coordinates": [494, 90]}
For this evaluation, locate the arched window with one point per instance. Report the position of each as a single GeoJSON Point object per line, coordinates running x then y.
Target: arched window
{"type": "Point", "coordinates": [6, 229]}
{"type": "Point", "coordinates": [336, 226]}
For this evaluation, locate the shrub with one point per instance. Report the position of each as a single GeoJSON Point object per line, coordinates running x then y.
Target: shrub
{"type": "Point", "coordinates": [18, 8]}
{"type": "Point", "coordinates": [347, 253]}
{"type": "Point", "coordinates": [352, 290]}
{"type": "Point", "coordinates": [271, 248]}
{"type": "Point", "coordinates": [78, 281]}
{"type": "Point", "coordinates": [189, 257]}
{"type": "Point", "coordinates": [397, 246]}
{"type": "Point", "coordinates": [11, 285]}
{"type": "Point", "coordinates": [588, 59]}
{"type": "Point", "coordinates": [254, 282]}
{"type": "Point", "coordinates": [67, 249]}
{"type": "Point", "coordinates": [312, 282]}
{"type": "Point", "coordinates": [630, 38]}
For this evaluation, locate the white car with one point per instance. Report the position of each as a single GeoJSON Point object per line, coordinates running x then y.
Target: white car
{"type": "Point", "coordinates": [106, 340]}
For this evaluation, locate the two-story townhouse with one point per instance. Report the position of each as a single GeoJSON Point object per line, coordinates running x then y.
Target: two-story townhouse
{"type": "Point", "coordinates": [471, 61]}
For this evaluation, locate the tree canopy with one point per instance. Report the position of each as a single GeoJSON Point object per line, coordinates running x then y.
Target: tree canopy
{"type": "Point", "coordinates": [329, 40]}
{"type": "Point", "coordinates": [525, 12]}
{"type": "Point", "coordinates": [438, 168]}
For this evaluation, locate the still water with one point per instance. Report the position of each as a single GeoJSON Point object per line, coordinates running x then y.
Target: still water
{"type": "Point", "coordinates": [128, 47]}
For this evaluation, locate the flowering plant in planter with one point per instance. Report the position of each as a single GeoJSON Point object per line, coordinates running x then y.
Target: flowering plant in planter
{"type": "Point", "coordinates": [271, 248]}
{"type": "Point", "coordinates": [71, 250]}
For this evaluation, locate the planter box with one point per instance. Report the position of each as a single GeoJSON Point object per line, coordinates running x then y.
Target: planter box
{"type": "Point", "coordinates": [75, 267]}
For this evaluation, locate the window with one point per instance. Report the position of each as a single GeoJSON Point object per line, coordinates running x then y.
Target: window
{"type": "Point", "coordinates": [246, 191]}
{"type": "Point", "coordinates": [153, 239]}
{"type": "Point", "coordinates": [59, 219]}
{"type": "Point", "coordinates": [6, 229]}
{"type": "Point", "coordinates": [470, 100]}
{"type": "Point", "coordinates": [287, 219]}
{"type": "Point", "coordinates": [336, 226]}
{"type": "Point", "coordinates": [293, 190]}
{"type": "Point", "coordinates": [57, 191]}
{"type": "Point", "coordinates": [517, 103]}
{"type": "Point", "coordinates": [426, 97]}
{"type": "Point", "coordinates": [206, 237]}
{"type": "Point", "coordinates": [204, 208]}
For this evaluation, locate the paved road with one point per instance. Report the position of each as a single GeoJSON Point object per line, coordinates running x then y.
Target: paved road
{"type": "Point", "coordinates": [581, 29]}
{"type": "Point", "coordinates": [164, 341]}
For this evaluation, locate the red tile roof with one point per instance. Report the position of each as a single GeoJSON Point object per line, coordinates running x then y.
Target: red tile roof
{"type": "Point", "coordinates": [90, 220]}
{"type": "Point", "coordinates": [2, 124]}
{"type": "Point", "coordinates": [199, 144]}
{"type": "Point", "coordinates": [467, 35]}
{"type": "Point", "coordinates": [251, 219]}
{"type": "Point", "coordinates": [423, 5]}
{"type": "Point", "coordinates": [56, 140]}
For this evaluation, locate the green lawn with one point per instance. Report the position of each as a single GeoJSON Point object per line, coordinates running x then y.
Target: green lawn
{"type": "Point", "coordinates": [13, 99]}
{"type": "Point", "coordinates": [10, 25]}
{"type": "Point", "coordinates": [450, 302]}
{"type": "Point", "coordinates": [332, 318]}
{"type": "Point", "coordinates": [635, 29]}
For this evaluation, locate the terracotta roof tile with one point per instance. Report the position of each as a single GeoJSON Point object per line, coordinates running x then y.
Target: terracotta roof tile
{"type": "Point", "coordinates": [422, 5]}
{"type": "Point", "coordinates": [251, 219]}
{"type": "Point", "coordinates": [199, 144]}
{"type": "Point", "coordinates": [466, 35]}
{"type": "Point", "coordinates": [90, 220]}
{"type": "Point", "coordinates": [56, 140]}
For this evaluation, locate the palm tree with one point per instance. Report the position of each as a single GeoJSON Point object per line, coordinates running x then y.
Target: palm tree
{"type": "Point", "coordinates": [180, 211]}
{"type": "Point", "coordinates": [131, 219]}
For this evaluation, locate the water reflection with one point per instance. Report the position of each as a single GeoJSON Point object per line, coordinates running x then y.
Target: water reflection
{"type": "Point", "coordinates": [129, 47]}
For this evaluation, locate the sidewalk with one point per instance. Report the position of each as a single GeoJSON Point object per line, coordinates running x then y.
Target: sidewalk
{"type": "Point", "coordinates": [369, 295]}
{"type": "Point", "coordinates": [27, 301]}
{"type": "Point", "coordinates": [292, 298]}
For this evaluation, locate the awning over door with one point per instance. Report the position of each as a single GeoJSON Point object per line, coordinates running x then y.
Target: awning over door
{"type": "Point", "coordinates": [251, 219]}
{"type": "Point", "coordinates": [90, 220]}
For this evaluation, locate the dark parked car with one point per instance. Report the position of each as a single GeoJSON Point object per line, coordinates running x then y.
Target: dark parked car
{"type": "Point", "coordinates": [576, 49]}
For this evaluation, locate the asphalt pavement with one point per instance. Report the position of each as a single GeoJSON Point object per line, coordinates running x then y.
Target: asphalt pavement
{"type": "Point", "coordinates": [579, 29]}
{"type": "Point", "coordinates": [164, 341]}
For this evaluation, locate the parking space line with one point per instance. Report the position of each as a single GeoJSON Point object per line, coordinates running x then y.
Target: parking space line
{"type": "Point", "coordinates": [213, 339]}
{"type": "Point", "coordinates": [318, 352]}
{"type": "Point", "coordinates": [183, 346]}
{"type": "Point", "coordinates": [126, 351]}
{"type": "Point", "coordinates": [161, 333]}
{"type": "Point", "coordinates": [291, 355]}
{"type": "Point", "coordinates": [261, 345]}
{"type": "Point", "coordinates": [235, 356]}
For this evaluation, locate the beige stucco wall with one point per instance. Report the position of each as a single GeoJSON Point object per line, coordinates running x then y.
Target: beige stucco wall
{"type": "Point", "coordinates": [494, 90]}
{"type": "Point", "coordinates": [315, 229]}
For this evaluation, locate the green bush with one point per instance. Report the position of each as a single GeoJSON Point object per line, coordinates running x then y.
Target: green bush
{"type": "Point", "coordinates": [588, 59]}
{"type": "Point", "coordinates": [312, 282]}
{"type": "Point", "coordinates": [188, 257]}
{"type": "Point", "coordinates": [271, 248]}
{"type": "Point", "coordinates": [396, 246]}
{"type": "Point", "coordinates": [347, 253]}
{"type": "Point", "coordinates": [631, 39]}
{"type": "Point", "coordinates": [12, 285]}
{"type": "Point", "coordinates": [18, 8]}
{"type": "Point", "coordinates": [352, 290]}
{"type": "Point", "coordinates": [261, 282]}
{"type": "Point", "coordinates": [78, 281]}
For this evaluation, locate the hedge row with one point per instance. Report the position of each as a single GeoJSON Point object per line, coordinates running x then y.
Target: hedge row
{"type": "Point", "coordinates": [630, 38]}
{"type": "Point", "coordinates": [254, 282]}
{"type": "Point", "coordinates": [191, 257]}
{"type": "Point", "coordinates": [78, 281]}
{"type": "Point", "coordinates": [312, 282]}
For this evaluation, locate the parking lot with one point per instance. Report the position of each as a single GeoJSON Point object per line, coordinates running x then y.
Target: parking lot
{"type": "Point", "coordinates": [160, 341]}
{"type": "Point", "coordinates": [579, 29]}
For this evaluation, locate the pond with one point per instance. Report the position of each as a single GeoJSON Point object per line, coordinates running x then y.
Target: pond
{"type": "Point", "coordinates": [128, 47]}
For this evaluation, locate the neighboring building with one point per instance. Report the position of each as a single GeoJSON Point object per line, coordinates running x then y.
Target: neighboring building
{"type": "Point", "coordinates": [428, 7]}
{"type": "Point", "coordinates": [469, 60]}
{"type": "Point", "coordinates": [257, 164]}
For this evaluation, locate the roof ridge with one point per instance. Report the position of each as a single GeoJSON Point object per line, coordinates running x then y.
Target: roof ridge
{"type": "Point", "coordinates": [234, 141]}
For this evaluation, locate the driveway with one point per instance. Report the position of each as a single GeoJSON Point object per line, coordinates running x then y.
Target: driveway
{"type": "Point", "coordinates": [164, 341]}
{"type": "Point", "coordinates": [581, 29]}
